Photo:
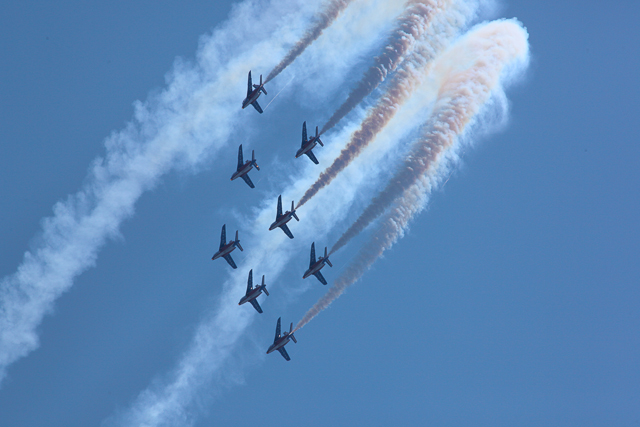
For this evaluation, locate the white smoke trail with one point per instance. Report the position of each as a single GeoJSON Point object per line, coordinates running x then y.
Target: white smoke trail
{"type": "Point", "coordinates": [182, 127]}
{"type": "Point", "coordinates": [432, 28]}
{"type": "Point", "coordinates": [488, 49]}
{"type": "Point", "coordinates": [325, 18]}
{"type": "Point", "coordinates": [170, 401]}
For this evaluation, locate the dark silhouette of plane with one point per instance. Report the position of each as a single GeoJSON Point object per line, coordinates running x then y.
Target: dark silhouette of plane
{"type": "Point", "coordinates": [253, 293]}
{"type": "Point", "coordinates": [226, 248]}
{"type": "Point", "coordinates": [253, 92]}
{"type": "Point", "coordinates": [307, 146]}
{"type": "Point", "coordinates": [316, 266]}
{"type": "Point", "coordinates": [244, 167]}
{"type": "Point", "coordinates": [280, 341]}
{"type": "Point", "coordinates": [282, 219]}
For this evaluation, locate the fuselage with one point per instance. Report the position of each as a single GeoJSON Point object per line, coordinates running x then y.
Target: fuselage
{"type": "Point", "coordinates": [314, 268]}
{"type": "Point", "coordinates": [226, 249]}
{"type": "Point", "coordinates": [252, 97]}
{"type": "Point", "coordinates": [281, 342]}
{"type": "Point", "coordinates": [243, 170]}
{"type": "Point", "coordinates": [255, 293]}
{"type": "Point", "coordinates": [285, 218]}
{"type": "Point", "coordinates": [308, 146]}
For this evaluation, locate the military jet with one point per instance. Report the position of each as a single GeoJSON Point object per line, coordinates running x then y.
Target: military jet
{"type": "Point", "coordinates": [253, 293]}
{"type": "Point", "coordinates": [282, 219]}
{"type": "Point", "coordinates": [227, 248]}
{"type": "Point", "coordinates": [253, 92]}
{"type": "Point", "coordinates": [316, 266]}
{"type": "Point", "coordinates": [280, 341]}
{"type": "Point", "coordinates": [244, 167]}
{"type": "Point", "coordinates": [308, 145]}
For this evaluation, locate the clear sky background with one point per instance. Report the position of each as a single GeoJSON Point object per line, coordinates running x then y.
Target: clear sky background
{"type": "Point", "coordinates": [513, 300]}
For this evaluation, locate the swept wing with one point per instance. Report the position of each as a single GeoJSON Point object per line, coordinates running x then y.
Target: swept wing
{"type": "Point", "coordinates": [257, 106]}
{"type": "Point", "coordinates": [304, 133]}
{"type": "Point", "coordinates": [286, 230]}
{"type": "Point", "coordinates": [230, 261]}
{"type": "Point", "coordinates": [277, 330]}
{"type": "Point", "coordinates": [312, 259]}
{"type": "Point", "coordinates": [320, 277]}
{"type": "Point", "coordinates": [246, 179]}
{"type": "Point", "coordinates": [284, 354]}
{"type": "Point", "coordinates": [240, 159]}
{"type": "Point", "coordinates": [223, 236]}
{"type": "Point", "coordinates": [312, 156]}
{"type": "Point", "coordinates": [255, 305]}
{"type": "Point", "coordinates": [279, 210]}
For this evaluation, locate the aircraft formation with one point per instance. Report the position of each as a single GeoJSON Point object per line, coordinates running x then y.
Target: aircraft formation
{"type": "Point", "coordinates": [226, 248]}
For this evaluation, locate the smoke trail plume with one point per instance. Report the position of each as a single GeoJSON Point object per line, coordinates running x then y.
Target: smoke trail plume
{"type": "Point", "coordinates": [181, 127]}
{"type": "Point", "coordinates": [410, 27]}
{"type": "Point", "coordinates": [416, 21]}
{"type": "Point", "coordinates": [462, 94]}
{"type": "Point", "coordinates": [330, 13]}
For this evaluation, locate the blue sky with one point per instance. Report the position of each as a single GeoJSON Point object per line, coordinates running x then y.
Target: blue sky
{"type": "Point", "coordinates": [512, 300]}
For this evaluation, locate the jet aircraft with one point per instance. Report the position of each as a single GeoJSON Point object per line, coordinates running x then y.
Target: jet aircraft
{"type": "Point", "coordinates": [253, 92]}
{"type": "Point", "coordinates": [253, 293]}
{"type": "Point", "coordinates": [226, 248]}
{"type": "Point", "coordinates": [244, 167]}
{"type": "Point", "coordinates": [316, 266]}
{"type": "Point", "coordinates": [282, 219]}
{"type": "Point", "coordinates": [280, 341]}
{"type": "Point", "coordinates": [308, 145]}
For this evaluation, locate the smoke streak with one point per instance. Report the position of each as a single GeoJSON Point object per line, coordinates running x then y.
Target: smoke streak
{"type": "Point", "coordinates": [415, 21]}
{"type": "Point", "coordinates": [411, 26]}
{"type": "Point", "coordinates": [181, 127]}
{"type": "Point", "coordinates": [463, 93]}
{"type": "Point", "coordinates": [331, 12]}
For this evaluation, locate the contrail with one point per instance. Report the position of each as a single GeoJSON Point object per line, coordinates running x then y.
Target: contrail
{"type": "Point", "coordinates": [181, 127]}
{"type": "Point", "coordinates": [176, 397]}
{"type": "Point", "coordinates": [494, 46]}
{"type": "Point", "coordinates": [410, 27]}
{"type": "Point", "coordinates": [325, 18]}
{"type": "Point", "coordinates": [416, 21]}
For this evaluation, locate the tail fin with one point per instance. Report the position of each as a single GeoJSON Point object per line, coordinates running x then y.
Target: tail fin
{"type": "Point", "coordinates": [253, 159]}
{"type": "Point", "coordinates": [318, 137]}
{"type": "Point", "coordinates": [291, 334]}
{"type": "Point", "coordinates": [262, 87]}
{"type": "Point", "coordinates": [326, 257]}
{"type": "Point", "coordinates": [264, 287]}
{"type": "Point", "coordinates": [293, 212]}
{"type": "Point", "coordinates": [237, 242]}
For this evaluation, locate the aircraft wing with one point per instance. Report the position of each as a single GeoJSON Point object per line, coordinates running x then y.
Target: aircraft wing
{"type": "Point", "coordinates": [284, 354]}
{"type": "Point", "coordinates": [320, 277]}
{"type": "Point", "coordinates": [249, 88]}
{"type": "Point", "coordinates": [312, 156]}
{"type": "Point", "coordinates": [246, 179]}
{"type": "Point", "coordinates": [230, 261]}
{"type": "Point", "coordinates": [240, 159]}
{"type": "Point", "coordinates": [249, 282]}
{"type": "Point", "coordinates": [223, 236]}
{"type": "Point", "coordinates": [254, 303]}
{"type": "Point", "coordinates": [277, 331]}
{"type": "Point", "coordinates": [257, 106]}
{"type": "Point", "coordinates": [313, 255]}
{"type": "Point", "coordinates": [286, 230]}
{"type": "Point", "coordinates": [304, 133]}
{"type": "Point", "coordinates": [279, 210]}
